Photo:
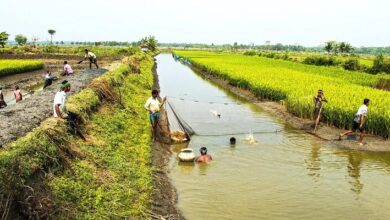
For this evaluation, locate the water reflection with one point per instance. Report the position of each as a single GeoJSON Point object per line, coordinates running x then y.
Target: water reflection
{"type": "Point", "coordinates": [313, 163]}
{"type": "Point", "coordinates": [354, 166]}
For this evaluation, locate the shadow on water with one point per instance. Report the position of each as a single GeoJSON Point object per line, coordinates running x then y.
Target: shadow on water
{"type": "Point", "coordinates": [283, 175]}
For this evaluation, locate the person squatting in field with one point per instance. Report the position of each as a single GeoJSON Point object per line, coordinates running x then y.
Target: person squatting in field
{"type": "Point", "coordinates": [48, 79]}
{"type": "Point", "coordinates": [67, 69]}
{"type": "Point", "coordinates": [2, 102]}
{"type": "Point", "coordinates": [359, 122]}
{"type": "Point", "coordinates": [153, 105]}
{"type": "Point", "coordinates": [60, 101]}
{"type": "Point", "coordinates": [318, 105]}
{"type": "Point", "coordinates": [91, 57]}
{"type": "Point", "coordinates": [204, 157]}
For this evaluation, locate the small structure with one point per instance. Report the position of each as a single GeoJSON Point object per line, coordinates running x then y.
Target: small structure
{"type": "Point", "coordinates": [144, 48]}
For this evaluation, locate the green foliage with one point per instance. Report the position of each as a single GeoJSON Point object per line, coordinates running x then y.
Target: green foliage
{"type": "Point", "coordinates": [296, 83]}
{"type": "Point", "coordinates": [115, 179]}
{"type": "Point", "coordinates": [150, 42]}
{"type": "Point", "coordinates": [8, 67]}
{"type": "Point", "coordinates": [380, 65]}
{"type": "Point", "coordinates": [3, 38]}
{"type": "Point", "coordinates": [321, 60]}
{"type": "Point", "coordinates": [352, 64]}
{"type": "Point", "coordinates": [20, 39]}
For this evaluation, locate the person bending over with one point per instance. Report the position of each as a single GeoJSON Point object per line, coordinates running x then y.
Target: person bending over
{"type": "Point", "coordinates": [91, 57]}
{"type": "Point", "coordinates": [60, 101]}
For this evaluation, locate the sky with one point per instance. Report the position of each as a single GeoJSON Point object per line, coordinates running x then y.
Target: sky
{"type": "Point", "coordinates": [304, 22]}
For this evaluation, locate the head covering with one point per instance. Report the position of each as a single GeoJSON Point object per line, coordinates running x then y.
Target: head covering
{"type": "Point", "coordinates": [65, 85]}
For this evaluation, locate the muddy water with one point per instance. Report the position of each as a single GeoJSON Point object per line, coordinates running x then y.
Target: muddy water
{"type": "Point", "coordinates": [284, 175]}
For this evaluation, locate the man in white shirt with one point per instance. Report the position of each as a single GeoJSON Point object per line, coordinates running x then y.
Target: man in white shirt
{"type": "Point", "coordinates": [359, 122]}
{"type": "Point", "coordinates": [153, 105]}
{"type": "Point", "coordinates": [91, 57]}
{"type": "Point", "coordinates": [60, 100]}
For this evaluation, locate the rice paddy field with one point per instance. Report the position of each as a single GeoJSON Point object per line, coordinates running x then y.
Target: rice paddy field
{"type": "Point", "coordinates": [295, 84]}
{"type": "Point", "coordinates": [8, 67]}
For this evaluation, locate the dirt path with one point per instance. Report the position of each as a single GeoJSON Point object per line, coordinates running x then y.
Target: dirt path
{"type": "Point", "coordinates": [324, 132]}
{"type": "Point", "coordinates": [18, 119]}
{"type": "Point", "coordinates": [164, 197]}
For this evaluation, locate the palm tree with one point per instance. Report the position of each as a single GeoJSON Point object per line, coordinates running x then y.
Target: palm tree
{"type": "Point", "coordinates": [51, 32]}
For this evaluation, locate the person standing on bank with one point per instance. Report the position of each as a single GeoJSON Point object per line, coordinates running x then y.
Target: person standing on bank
{"type": "Point", "coordinates": [91, 57]}
{"type": "Point", "coordinates": [153, 105]}
{"type": "Point", "coordinates": [359, 122]}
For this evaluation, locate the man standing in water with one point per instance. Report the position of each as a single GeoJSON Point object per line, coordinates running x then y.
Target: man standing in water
{"type": "Point", "coordinates": [153, 105]}
{"type": "Point", "coordinates": [91, 57]}
{"type": "Point", "coordinates": [359, 122]}
{"type": "Point", "coordinates": [59, 101]}
{"type": "Point", "coordinates": [204, 157]}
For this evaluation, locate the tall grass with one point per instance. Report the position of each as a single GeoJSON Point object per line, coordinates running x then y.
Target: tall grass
{"type": "Point", "coordinates": [8, 67]}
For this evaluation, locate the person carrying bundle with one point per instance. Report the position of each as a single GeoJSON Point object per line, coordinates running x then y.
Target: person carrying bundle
{"type": "Point", "coordinates": [2, 102]}
{"type": "Point", "coordinates": [359, 122]}
{"type": "Point", "coordinates": [153, 105]}
{"type": "Point", "coordinates": [91, 57]}
{"type": "Point", "coordinates": [318, 105]}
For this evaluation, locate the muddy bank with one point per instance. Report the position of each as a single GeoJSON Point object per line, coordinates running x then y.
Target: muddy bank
{"type": "Point", "coordinates": [18, 119]}
{"type": "Point", "coordinates": [324, 131]}
{"type": "Point", "coordinates": [164, 196]}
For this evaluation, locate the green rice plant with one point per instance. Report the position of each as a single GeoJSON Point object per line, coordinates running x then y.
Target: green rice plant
{"type": "Point", "coordinates": [8, 67]}
{"type": "Point", "coordinates": [296, 84]}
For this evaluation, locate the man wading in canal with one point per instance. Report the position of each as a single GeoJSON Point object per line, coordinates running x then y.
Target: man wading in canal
{"type": "Point", "coordinates": [153, 105]}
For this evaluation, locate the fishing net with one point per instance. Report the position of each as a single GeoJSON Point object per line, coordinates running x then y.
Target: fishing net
{"type": "Point", "coordinates": [202, 118]}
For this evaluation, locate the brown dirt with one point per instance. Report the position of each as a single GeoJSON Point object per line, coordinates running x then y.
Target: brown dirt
{"type": "Point", "coordinates": [20, 118]}
{"type": "Point", "coordinates": [164, 196]}
{"type": "Point", "coordinates": [325, 132]}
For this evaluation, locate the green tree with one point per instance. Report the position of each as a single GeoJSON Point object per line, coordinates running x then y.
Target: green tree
{"type": "Point", "coordinates": [51, 32]}
{"type": "Point", "coordinates": [3, 38]}
{"type": "Point", "coordinates": [331, 46]}
{"type": "Point", "coordinates": [20, 39]}
{"type": "Point", "coordinates": [345, 47]}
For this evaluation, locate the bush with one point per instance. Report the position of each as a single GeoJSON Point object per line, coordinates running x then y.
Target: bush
{"type": "Point", "coordinates": [250, 53]}
{"type": "Point", "coordinates": [321, 61]}
{"type": "Point", "coordinates": [351, 64]}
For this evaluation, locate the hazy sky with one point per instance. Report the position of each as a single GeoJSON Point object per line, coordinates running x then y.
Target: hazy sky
{"type": "Point", "coordinates": [306, 22]}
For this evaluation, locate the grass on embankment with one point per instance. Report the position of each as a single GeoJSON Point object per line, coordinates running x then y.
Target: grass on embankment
{"type": "Point", "coordinates": [108, 175]}
{"type": "Point", "coordinates": [8, 67]}
{"type": "Point", "coordinates": [295, 84]}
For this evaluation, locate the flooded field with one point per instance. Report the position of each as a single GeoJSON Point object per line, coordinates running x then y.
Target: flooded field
{"type": "Point", "coordinates": [286, 174]}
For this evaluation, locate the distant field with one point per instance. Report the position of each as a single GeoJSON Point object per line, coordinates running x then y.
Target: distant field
{"type": "Point", "coordinates": [297, 83]}
{"type": "Point", "coordinates": [8, 67]}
